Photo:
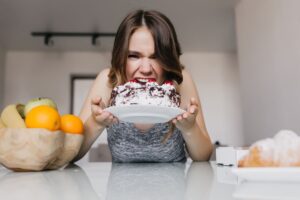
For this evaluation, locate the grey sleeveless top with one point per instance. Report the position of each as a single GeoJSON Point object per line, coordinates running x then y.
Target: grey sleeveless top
{"type": "Point", "coordinates": [129, 144]}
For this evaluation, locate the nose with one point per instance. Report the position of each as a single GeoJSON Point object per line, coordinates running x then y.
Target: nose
{"type": "Point", "coordinates": [145, 66]}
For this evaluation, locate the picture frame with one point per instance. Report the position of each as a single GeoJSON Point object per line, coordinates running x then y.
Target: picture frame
{"type": "Point", "coordinates": [80, 84]}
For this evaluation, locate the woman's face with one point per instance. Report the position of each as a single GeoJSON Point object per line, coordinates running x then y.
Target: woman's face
{"type": "Point", "coordinates": [141, 61]}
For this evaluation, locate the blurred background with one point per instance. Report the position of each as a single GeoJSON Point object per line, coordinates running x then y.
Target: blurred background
{"type": "Point", "coordinates": [244, 57]}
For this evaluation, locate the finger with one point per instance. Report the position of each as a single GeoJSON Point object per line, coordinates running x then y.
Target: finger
{"type": "Point", "coordinates": [179, 118]}
{"type": "Point", "coordinates": [99, 102]}
{"type": "Point", "coordinates": [106, 115]}
{"type": "Point", "coordinates": [174, 121]}
{"type": "Point", "coordinates": [185, 115]}
{"type": "Point", "coordinates": [96, 109]}
{"type": "Point", "coordinates": [193, 101]}
{"type": "Point", "coordinates": [110, 120]}
{"type": "Point", "coordinates": [96, 100]}
{"type": "Point", "coordinates": [193, 109]}
{"type": "Point", "coordinates": [102, 104]}
{"type": "Point", "coordinates": [190, 104]}
{"type": "Point", "coordinates": [103, 117]}
{"type": "Point", "coordinates": [115, 120]}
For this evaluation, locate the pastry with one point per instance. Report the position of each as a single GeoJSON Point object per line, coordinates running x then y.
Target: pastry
{"type": "Point", "coordinates": [283, 150]}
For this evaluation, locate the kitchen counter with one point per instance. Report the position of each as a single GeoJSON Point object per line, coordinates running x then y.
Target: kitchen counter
{"type": "Point", "coordinates": [113, 181]}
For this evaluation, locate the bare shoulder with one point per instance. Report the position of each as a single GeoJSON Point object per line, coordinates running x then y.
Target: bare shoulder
{"type": "Point", "coordinates": [101, 86]}
{"type": "Point", "coordinates": [187, 80]}
{"type": "Point", "coordinates": [187, 89]}
{"type": "Point", "coordinates": [103, 75]}
{"type": "Point", "coordinates": [186, 74]}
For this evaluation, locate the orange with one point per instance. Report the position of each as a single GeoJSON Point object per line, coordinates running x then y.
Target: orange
{"type": "Point", "coordinates": [43, 117]}
{"type": "Point", "coordinates": [71, 124]}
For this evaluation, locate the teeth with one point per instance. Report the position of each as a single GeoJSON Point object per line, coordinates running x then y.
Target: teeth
{"type": "Point", "coordinates": [143, 80]}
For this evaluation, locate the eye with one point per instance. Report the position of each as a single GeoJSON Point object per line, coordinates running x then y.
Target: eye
{"type": "Point", "coordinates": [153, 57]}
{"type": "Point", "coordinates": [133, 56]}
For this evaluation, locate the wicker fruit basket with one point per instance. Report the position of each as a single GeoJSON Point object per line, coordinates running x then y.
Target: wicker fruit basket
{"type": "Point", "coordinates": [36, 149]}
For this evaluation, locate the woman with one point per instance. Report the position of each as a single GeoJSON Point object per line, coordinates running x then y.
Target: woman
{"type": "Point", "coordinates": [146, 46]}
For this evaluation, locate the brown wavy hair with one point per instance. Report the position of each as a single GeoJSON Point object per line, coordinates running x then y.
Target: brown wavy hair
{"type": "Point", "coordinates": [167, 48]}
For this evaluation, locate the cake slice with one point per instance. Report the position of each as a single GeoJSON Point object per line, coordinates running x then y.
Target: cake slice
{"type": "Point", "coordinates": [145, 92]}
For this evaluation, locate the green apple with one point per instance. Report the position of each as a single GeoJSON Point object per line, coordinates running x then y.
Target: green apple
{"type": "Point", "coordinates": [39, 102]}
{"type": "Point", "coordinates": [21, 110]}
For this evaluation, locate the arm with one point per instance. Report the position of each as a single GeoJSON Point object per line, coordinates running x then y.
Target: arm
{"type": "Point", "coordinates": [94, 118]}
{"type": "Point", "coordinates": [191, 123]}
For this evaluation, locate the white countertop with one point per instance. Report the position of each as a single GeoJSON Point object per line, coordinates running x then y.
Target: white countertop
{"type": "Point", "coordinates": [203, 181]}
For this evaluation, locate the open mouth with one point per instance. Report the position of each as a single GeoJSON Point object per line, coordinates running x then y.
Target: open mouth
{"type": "Point", "coordinates": [143, 80]}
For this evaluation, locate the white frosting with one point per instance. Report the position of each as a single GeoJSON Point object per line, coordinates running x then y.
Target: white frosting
{"type": "Point", "coordinates": [283, 149]}
{"type": "Point", "coordinates": [148, 93]}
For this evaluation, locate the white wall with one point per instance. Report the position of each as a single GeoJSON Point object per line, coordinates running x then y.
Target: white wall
{"type": "Point", "coordinates": [34, 74]}
{"type": "Point", "coordinates": [2, 64]}
{"type": "Point", "coordinates": [269, 58]}
{"type": "Point", "coordinates": [217, 78]}
{"type": "Point", "coordinates": [37, 74]}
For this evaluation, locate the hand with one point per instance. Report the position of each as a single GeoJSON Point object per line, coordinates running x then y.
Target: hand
{"type": "Point", "coordinates": [102, 117]}
{"type": "Point", "coordinates": [187, 120]}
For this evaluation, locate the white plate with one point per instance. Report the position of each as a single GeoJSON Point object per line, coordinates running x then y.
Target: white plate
{"type": "Point", "coordinates": [288, 174]}
{"type": "Point", "coordinates": [267, 190]}
{"type": "Point", "coordinates": [146, 114]}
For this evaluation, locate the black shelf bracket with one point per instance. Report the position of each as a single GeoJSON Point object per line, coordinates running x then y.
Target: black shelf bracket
{"type": "Point", "coordinates": [48, 36]}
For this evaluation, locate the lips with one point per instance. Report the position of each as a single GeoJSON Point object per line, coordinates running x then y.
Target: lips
{"type": "Point", "coordinates": [168, 82]}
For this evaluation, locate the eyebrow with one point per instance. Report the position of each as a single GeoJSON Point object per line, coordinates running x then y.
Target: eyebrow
{"type": "Point", "coordinates": [137, 53]}
{"type": "Point", "coordinates": [134, 52]}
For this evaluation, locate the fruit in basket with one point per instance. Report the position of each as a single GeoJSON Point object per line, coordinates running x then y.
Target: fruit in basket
{"type": "Point", "coordinates": [43, 117]}
{"type": "Point", "coordinates": [29, 149]}
{"type": "Point", "coordinates": [12, 118]}
{"type": "Point", "coordinates": [38, 102]}
{"type": "Point", "coordinates": [71, 124]}
{"type": "Point", "coordinates": [21, 109]}
{"type": "Point", "coordinates": [38, 142]}
{"type": "Point", "coordinates": [71, 147]}
{"type": "Point", "coordinates": [2, 124]}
